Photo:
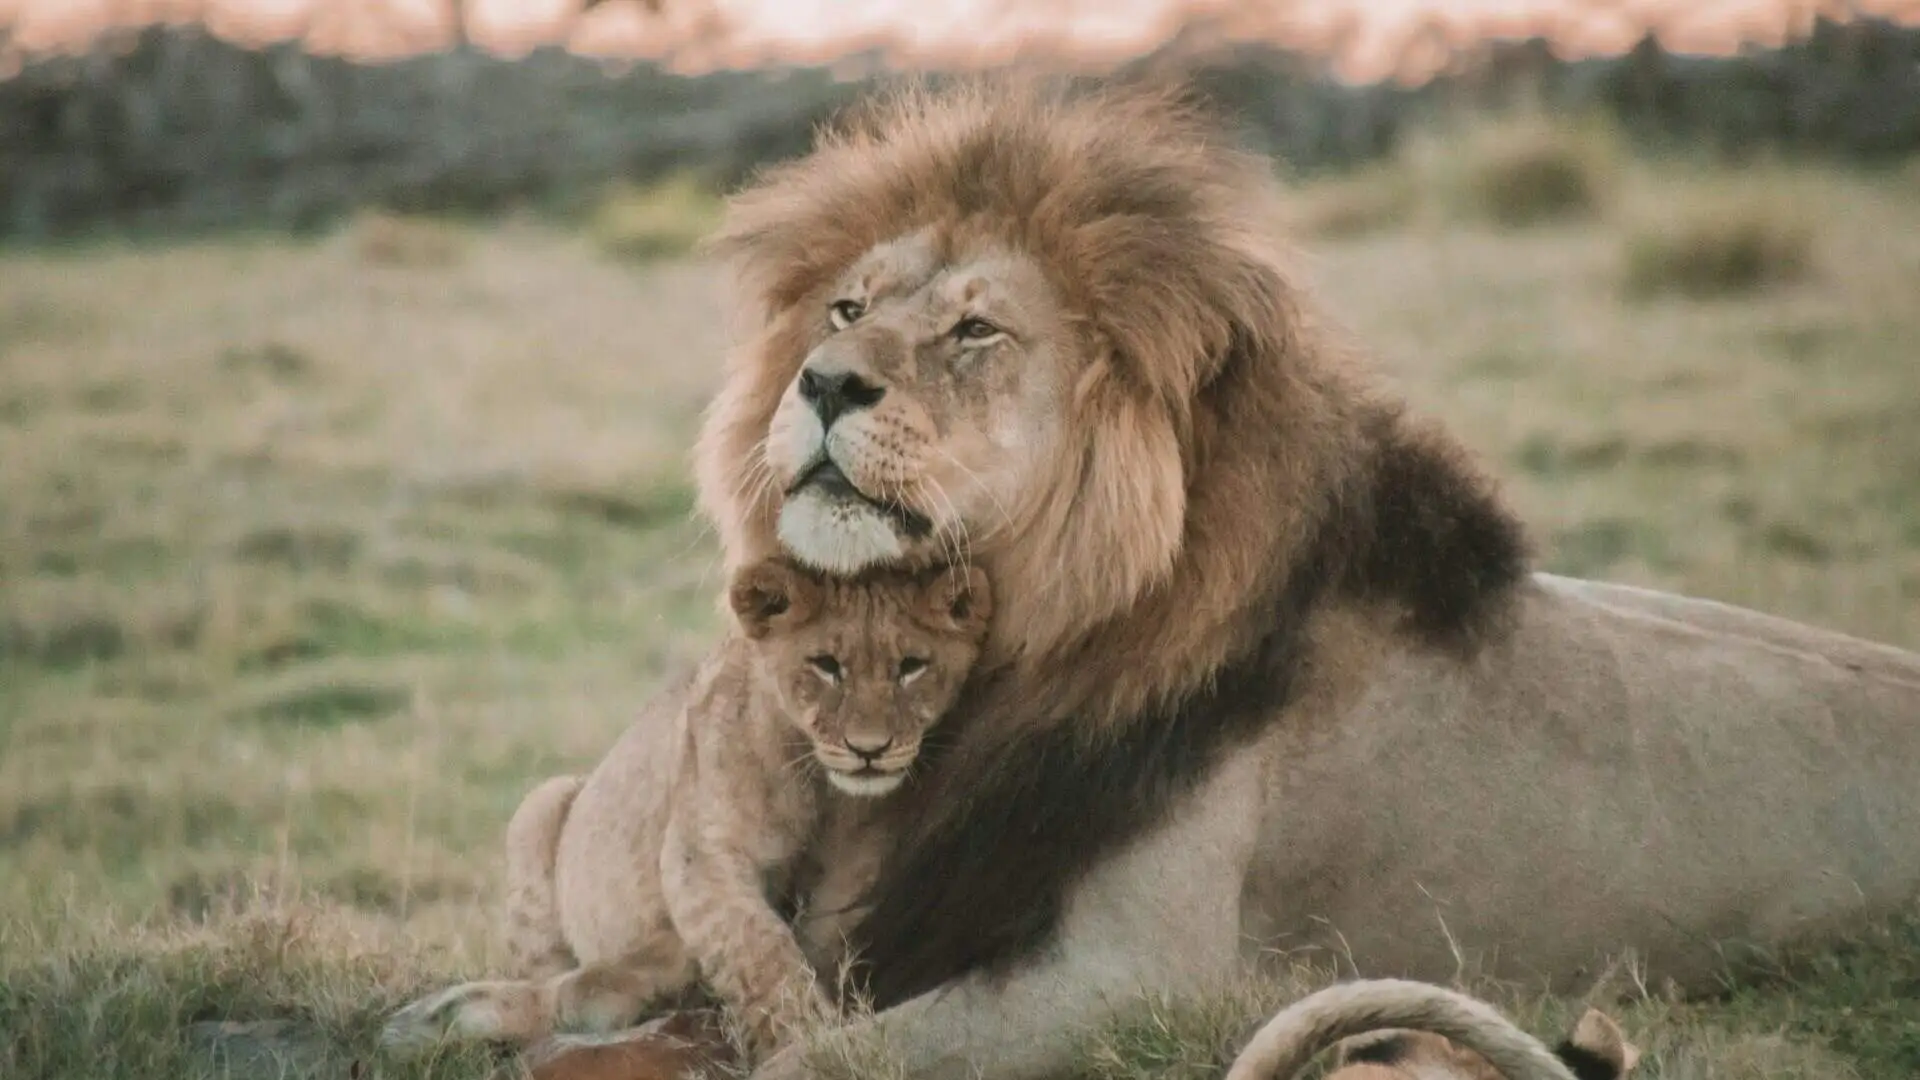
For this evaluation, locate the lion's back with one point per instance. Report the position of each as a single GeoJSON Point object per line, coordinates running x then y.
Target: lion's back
{"type": "Point", "coordinates": [1628, 770]}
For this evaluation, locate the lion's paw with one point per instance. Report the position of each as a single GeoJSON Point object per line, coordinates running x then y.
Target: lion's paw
{"type": "Point", "coordinates": [470, 1012]}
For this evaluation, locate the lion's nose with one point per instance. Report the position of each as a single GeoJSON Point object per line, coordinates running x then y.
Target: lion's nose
{"type": "Point", "coordinates": [869, 747]}
{"type": "Point", "coordinates": [835, 393]}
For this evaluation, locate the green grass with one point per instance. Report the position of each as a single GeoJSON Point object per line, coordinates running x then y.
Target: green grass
{"type": "Point", "coordinates": [316, 555]}
{"type": "Point", "coordinates": [148, 1001]}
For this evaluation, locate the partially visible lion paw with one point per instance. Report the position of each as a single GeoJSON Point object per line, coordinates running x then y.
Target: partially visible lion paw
{"type": "Point", "coordinates": [470, 1012]}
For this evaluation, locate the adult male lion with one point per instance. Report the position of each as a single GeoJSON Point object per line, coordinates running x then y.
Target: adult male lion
{"type": "Point", "coordinates": [1269, 668]}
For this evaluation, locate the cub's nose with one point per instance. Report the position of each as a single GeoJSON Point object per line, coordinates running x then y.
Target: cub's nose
{"type": "Point", "coordinates": [833, 394]}
{"type": "Point", "coordinates": [869, 747]}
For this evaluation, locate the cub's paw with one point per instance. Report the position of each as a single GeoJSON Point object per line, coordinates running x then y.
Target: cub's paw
{"type": "Point", "coordinates": [512, 1012]}
{"type": "Point", "coordinates": [791, 1017]}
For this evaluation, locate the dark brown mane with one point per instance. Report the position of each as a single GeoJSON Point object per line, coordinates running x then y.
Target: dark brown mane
{"type": "Point", "coordinates": [980, 883]}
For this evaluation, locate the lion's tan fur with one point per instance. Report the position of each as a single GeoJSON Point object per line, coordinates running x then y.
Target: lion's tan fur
{"type": "Point", "coordinates": [1455, 757]}
{"type": "Point", "coordinates": [618, 903]}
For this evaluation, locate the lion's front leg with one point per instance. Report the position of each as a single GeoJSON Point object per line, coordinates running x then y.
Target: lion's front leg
{"type": "Point", "coordinates": [1161, 918]}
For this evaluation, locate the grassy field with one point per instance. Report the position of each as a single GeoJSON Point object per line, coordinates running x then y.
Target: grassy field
{"type": "Point", "coordinates": [314, 555]}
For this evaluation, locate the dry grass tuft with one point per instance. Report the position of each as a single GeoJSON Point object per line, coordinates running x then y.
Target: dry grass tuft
{"type": "Point", "coordinates": [388, 239]}
{"type": "Point", "coordinates": [286, 990]}
{"type": "Point", "coordinates": [658, 221]}
{"type": "Point", "coordinates": [1194, 1039]}
{"type": "Point", "coordinates": [1741, 244]}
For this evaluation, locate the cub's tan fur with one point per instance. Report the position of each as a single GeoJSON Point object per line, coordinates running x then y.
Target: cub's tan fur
{"type": "Point", "coordinates": [1172, 466]}
{"type": "Point", "coordinates": [658, 869]}
{"type": "Point", "coordinates": [1438, 1034]}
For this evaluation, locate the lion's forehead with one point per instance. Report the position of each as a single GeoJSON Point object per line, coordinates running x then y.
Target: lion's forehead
{"type": "Point", "coordinates": [901, 266]}
{"type": "Point", "coordinates": [915, 271]}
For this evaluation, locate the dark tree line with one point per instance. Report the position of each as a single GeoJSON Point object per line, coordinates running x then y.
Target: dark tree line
{"type": "Point", "coordinates": [172, 129]}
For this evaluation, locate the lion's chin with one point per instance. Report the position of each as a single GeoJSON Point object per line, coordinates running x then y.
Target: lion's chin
{"type": "Point", "coordinates": [866, 785]}
{"type": "Point", "coordinates": [837, 535]}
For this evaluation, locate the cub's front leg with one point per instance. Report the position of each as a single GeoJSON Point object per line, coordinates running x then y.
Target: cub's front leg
{"type": "Point", "coordinates": [748, 954]}
{"type": "Point", "coordinates": [596, 998]}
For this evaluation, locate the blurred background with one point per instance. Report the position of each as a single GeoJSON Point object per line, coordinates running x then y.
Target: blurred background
{"type": "Point", "coordinates": [350, 352]}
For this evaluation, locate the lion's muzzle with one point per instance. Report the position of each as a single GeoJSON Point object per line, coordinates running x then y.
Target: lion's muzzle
{"type": "Point", "coordinates": [833, 392]}
{"type": "Point", "coordinates": [837, 444]}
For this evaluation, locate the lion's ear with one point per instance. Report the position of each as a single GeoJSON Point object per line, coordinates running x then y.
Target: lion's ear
{"type": "Point", "coordinates": [960, 598]}
{"type": "Point", "coordinates": [1597, 1038]}
{"type": "Point", "coordinates": [772, 595]}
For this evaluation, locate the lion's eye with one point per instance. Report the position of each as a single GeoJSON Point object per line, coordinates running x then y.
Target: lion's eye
{"type": "Point", "coordinates": [973, 328]}
{"type": "Point", "coordinates": [844, 313]}
{"type": "Point", "coordinates": [827, 666]}
{"type": "Point", "coordinates": [910, 667]}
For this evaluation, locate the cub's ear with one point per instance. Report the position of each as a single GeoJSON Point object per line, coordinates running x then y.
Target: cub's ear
{"type": "Point", "coordinates": [772, 595]}
{"type": "Point", "coordinates": [960, 598]}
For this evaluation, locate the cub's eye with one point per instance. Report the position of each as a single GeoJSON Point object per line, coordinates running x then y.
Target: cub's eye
{"type": "Point", "coordinates": [826, 665]}
{"type": "Point", "coordinates": [910, 667]}
{"type": "Point", "coordinates": [844, 313]}
{"type": "Point", "coordinates": [974, 329]}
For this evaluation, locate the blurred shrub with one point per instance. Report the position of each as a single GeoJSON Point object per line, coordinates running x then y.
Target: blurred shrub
{"type": "Point", "coordinates": [1526, 170]}
{"type": "Point", "coordinates": [1368, 201]}
{"type": "Point", "coordinates": [1733, 244]}
{"type": "Point", "coordinates": [655, 221]}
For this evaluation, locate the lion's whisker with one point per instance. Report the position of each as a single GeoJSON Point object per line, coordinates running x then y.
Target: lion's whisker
{"type": "Point", "coordinates": [960, 549]}
{"type": "Point", "coordinates": [756, 475]}
{"type": "Point", "coordinates": [805, 766]}
{"type": "Point", "coordinates": [943, 519]}
{"type": "Point", "coordinates": [1006, 517]}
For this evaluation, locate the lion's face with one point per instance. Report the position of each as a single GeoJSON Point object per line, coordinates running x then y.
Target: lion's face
{"type": "Point", "coordinates": [988, 326]}
{"type": "Point", "coordinates": [863, 667]}
{"type": "Point", "coordinates": [926, 413]}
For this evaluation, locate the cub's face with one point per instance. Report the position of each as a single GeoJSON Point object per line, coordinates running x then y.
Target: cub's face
{"type": "Point", "coordinates": [863, 666]}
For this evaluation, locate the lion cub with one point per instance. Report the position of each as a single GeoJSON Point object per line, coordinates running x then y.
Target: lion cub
{"type": "Point", "coordinates": [829, 686]}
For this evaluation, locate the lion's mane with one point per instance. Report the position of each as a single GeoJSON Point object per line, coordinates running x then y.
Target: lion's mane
{"type": "Point", "coordinates": [1241, 473]}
